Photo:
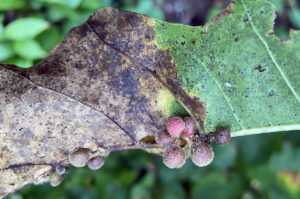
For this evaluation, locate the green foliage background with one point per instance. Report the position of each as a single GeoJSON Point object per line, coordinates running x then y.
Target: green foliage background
{"type": "Point", "coordinates": [257, 166]}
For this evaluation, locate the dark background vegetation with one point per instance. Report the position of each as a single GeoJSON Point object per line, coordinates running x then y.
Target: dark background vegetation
{"type": "Point", "coordinates": [257, 166]}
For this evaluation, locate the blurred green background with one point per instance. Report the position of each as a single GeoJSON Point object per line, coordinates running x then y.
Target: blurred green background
{"type": "Point", "coordinates": [257, 166]}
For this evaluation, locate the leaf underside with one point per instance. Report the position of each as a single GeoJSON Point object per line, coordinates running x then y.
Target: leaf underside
{"type": "Point", "coordinates": [113, 81]}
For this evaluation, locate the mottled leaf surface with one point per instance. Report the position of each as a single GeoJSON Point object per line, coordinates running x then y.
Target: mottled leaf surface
{"type": "Point", "coordinates": [247, 79]}
{"type": "Point", "coordinates": [113, 81]}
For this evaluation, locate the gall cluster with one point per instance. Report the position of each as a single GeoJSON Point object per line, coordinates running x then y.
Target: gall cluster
{"type": "Point", "coordinates": [78, 158]}
{"type": "Point", "coordinates": [182, 141]}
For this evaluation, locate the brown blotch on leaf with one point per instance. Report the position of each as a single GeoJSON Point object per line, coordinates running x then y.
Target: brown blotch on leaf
{"type": "Point", "coordinates": [259, 68]}
{"type": "Point", "coordinates": [193, 41]}
{"type": "Point", "coordinates": [148, 140]}
{"type": "Point", "coordinates": [271, 93]}
{"type": "Point", "coordinates": [222, 14]}
{"type": "Point", "coordinates": [90, 91]}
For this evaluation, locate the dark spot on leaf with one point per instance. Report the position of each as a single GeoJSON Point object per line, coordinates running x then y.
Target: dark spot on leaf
{"type": "Point", "coordinates": [148, 140]}
{"type": "Point", "coordinates": [193, 41]}
{"type": "Point", "coordinates": [17, 169]}
{"type": "Point", "coordinates": [272, 93]}
{"type": "Point", "coordinates": [182, 43]}
{"type": "Point", "coordinates": [78, 66]}
{"type": "Point", "coordinates": [259, 68]}
{"type": "Point", "coordinates": [236, 39]}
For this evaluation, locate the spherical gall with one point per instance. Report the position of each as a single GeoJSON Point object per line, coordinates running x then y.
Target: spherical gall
{"type": "Point", "coordinates": [201, 154]}
{"type": "Point", "coordinates": [80, 157]}
{"type": "Point", "coordinates": [60, 170]}
{"type": "Point", "coordinates": [55, 179]}
{"type": "Point", "coordinates": [222, 136]}
{"type": "Point", "coordinates": [163, 138]}
{"type": "Point", "coordinates": [95, 162]}
{"type": "Point", "coordinates": [190, 127]}
{"type": "Point", "coordinates": [174, 157]}
{"type": "Point", "coordinates": [175, 126]}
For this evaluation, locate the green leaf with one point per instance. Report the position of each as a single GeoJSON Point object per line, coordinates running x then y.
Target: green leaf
{"type": "Point", "coordinates": [282, 32]}
{"type": "Point", "coordinates": [54, 15]}
{"type": "Point", "coordinates": [246, 79]}
{"type": "Point", "coordinates": [11, 4]}
{"type": "Point", "coordinates": [6, 51]}
{"type": "Point", "coordinates": [146, 7]}
{"type": "Point", "coordinates": [226, 156]}
{"type": "Point", "coordinates": [57, 12]}
{"type": "Point", "coordinates": [23, 63]}
{"type": "Point", "coordinates": [94, 4]}
{"type": "Point", "coordinates": [139, 191]}
{"type": "Point", "coordinates": [49, 38]}
{"type": "Point", "coordinates": [29, 49]}
{"type": "Point", "coordinates": [70, 3]}
{"type": "Point", "coordinates": [215, 185]}
{"type": "Point", "coordinates": [25, 28]}
{"type": "Point", "coordinates": [287, 159]}
{"type": "Point", "coordinates": [294, 15]}
{"type": "Point", "coordinates": [1, 27]}
{"type": "Point", "coordinates": [279, 5]}
{"type": "Point", "coordinates": [173, 191]}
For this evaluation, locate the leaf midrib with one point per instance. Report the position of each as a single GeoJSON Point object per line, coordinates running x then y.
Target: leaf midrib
{"type": "Point", "coordinates": [268, 129]}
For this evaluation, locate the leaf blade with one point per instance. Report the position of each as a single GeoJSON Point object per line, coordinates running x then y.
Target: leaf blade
{"type": "Point", "coordinates": [244, 64]}
{"type": "Point", "coordinates": [25, 28]}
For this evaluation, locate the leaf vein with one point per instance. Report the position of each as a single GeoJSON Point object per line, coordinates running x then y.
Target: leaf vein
{"type": "Point", "coordinates": [132, 137]}
{"type": "Point", "coordinates": [270, 54]}
{"type": "Point", "coordinates": [225, 97]}
{"type": "Point", "coordinates": [268, 129]}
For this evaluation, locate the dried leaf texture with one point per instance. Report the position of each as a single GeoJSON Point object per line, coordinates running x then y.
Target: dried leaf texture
{"type": "Point", "coordinates": [113, 81]}
{"type": "Point", "coordinates": [86, 93]}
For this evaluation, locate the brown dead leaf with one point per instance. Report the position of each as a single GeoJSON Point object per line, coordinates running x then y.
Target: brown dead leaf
{"type": "Point", "coordinates": [98, 89]}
